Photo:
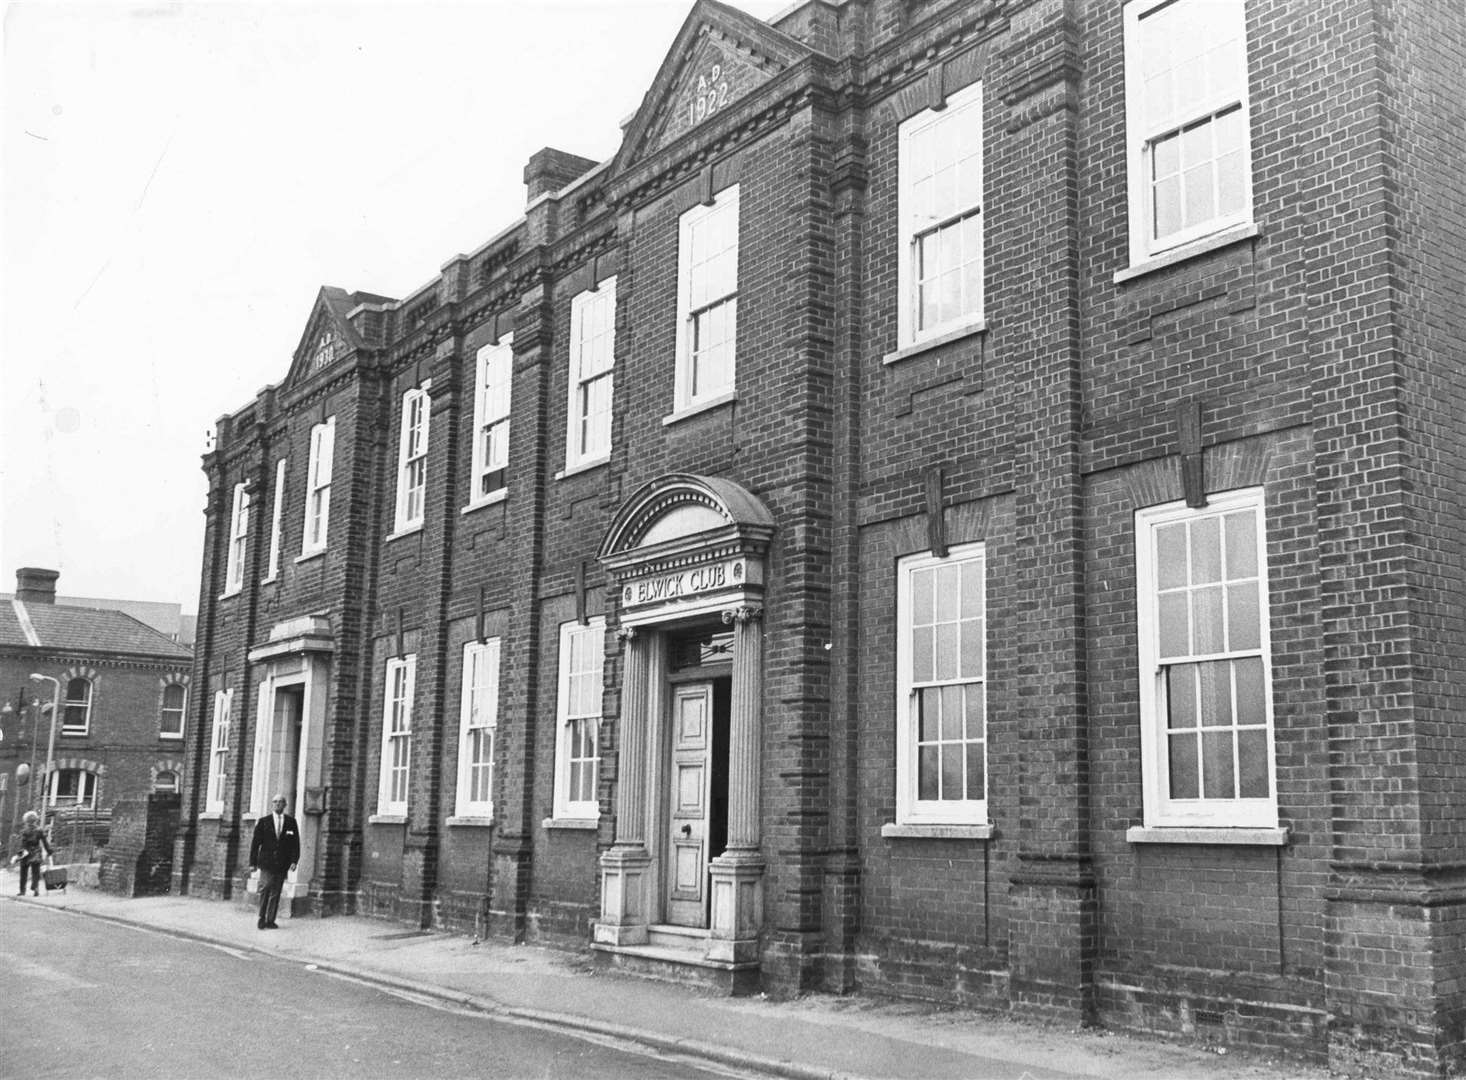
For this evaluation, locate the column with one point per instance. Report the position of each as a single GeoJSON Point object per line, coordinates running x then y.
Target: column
{"type": "Point", "coordinates": [625, 868]}
{"type": "Point", "coordinates": [737, 874]}
{"type": "Point", "coordinates": [631, 764]}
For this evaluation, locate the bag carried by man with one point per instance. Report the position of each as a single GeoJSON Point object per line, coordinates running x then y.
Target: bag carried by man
{"type": "Point", "coordinates": [54, 877]}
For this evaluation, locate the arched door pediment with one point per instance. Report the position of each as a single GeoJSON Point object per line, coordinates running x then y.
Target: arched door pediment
{"type": "Point", "coordinates": [684, 545]}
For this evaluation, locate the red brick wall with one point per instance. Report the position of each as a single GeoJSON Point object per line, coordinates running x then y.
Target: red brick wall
{"type": "Point", "coordinates": [123, 746]}
{"type": "Point", "coordinates": [1319, 353]}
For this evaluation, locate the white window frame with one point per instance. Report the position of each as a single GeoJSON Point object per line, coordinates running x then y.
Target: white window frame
{"type": "Point", "coordinates": [1160, 809]}
{"type": "Point", "coordinates": [164, 732]}
{"type": "Point", "coordinates": [693, 306]}
{"type": "Point", "coordinates": [412, 458]}
{"type": "Point", "coordinates": [478, 712]}
{"type": "Point", "coordinates": [397, 703]}
{"type": "Point", "coordinates": [316, 531]}
{"type": "Point", "coordinates": [963, 108]}
{"type": "Point", "coordinates": [87, 786]}
{"type": "Point", "coordinates": [592, 365]}
{"type": "Point", "coordinates": [277, 506]}
{"type": "Point", "coordinates": [238, 537]}
{"type": "Point", "coordinates": [590, 641]}
{"type": "Point", "coordinates": [911, 809]}
{"type": "Point", "coordinates": [492, 410]}
{"type": "Point", "coordinates": [218, 752]}
{"type": "Point", "coordinates": [84, 704]}
{"type": "Point", "coordinates": [1144, 132]}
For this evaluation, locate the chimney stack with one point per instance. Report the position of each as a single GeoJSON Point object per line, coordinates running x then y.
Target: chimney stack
{"type": "Point", "coordinates": [551, 169]}
{"type": "Point", "coordinates": [36, 586]}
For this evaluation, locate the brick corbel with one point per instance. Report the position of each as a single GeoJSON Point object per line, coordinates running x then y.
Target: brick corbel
{"type": "Point", "coordinates": [936, 529]}
{"type": "Point", "coordinates": [533, 326]}
{"type": "Point", "coordinates": [1188, 445]}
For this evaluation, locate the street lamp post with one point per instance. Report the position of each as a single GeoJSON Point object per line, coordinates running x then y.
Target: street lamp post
{"type": "Point", "coordinates": [35, 731]}
{"type": "Point", "coordinates": [6, 712]}
{"type": "Point", "coordinates": [51, 743]}
{"type": "Point", "coordinates": [34, 708]}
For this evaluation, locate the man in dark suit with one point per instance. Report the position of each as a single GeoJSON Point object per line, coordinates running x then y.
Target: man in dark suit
{"type": "Point", "coordinates": [274, 852]}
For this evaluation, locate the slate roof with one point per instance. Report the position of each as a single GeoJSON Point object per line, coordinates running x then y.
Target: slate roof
{"type": "Point", "coordinates": [60, 628]}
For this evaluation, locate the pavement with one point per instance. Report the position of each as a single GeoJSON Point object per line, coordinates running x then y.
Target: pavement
{"type": "Point", "coordinates": [813, 1037]}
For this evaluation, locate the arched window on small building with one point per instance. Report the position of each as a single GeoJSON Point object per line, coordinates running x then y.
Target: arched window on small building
{"type": "Point", "coordinates": [73, 787]}
{"type": "Point", "coordinates": [76, 712]}
{"type": "Point", "coordinates": [170, 724]}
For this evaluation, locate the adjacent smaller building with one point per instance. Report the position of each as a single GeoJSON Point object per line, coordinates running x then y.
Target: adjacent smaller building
{"type": "Point", "coordinates": [120, 692]}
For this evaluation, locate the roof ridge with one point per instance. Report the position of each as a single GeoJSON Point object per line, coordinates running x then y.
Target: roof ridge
{"type": "Point", "coordinates": [62, 628]}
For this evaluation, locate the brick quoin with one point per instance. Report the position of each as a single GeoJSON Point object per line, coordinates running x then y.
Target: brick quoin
{"type": "Point", "coordinates": [1313, 357]}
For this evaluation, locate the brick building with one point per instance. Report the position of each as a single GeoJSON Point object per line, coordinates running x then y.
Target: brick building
{"type": "Point", "coordinates": [966, 503]}
{"type": "Point", "coordinates": [122, 691]}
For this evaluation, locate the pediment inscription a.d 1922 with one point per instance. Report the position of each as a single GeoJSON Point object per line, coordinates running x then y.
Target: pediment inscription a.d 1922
{"type": "Point", "coordinates": [716, 74]}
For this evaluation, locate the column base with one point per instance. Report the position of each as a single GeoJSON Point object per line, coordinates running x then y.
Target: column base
{"type": "Point", "coordinates": [624, 882]}
{"type": "Point", "coordinates": [737, 906]}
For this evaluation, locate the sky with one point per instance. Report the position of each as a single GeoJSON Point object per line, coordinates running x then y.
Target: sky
{"type": "Point", "coordinates": [180, 179]}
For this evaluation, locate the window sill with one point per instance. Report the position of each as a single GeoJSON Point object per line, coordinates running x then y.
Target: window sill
{"type": "Point", "coordinates": [582, 824]}
{"type": "Point", "coordinates": [488, 500]}
{"type": "Point", "coordinates": [917, 348]}
{"type": "Point", "coordinates": [470, 821]}
{"type": "Point", "coordinates": [583, 466]}
{"type": "Point", "coordinates": [306, 556]}
{"type": "Point", "coordinates": [212, 815]}
{"type": "Point", "coordinates": [387, 819]}
{"type": "Point", "coordinates": [410, 530]}
{"type": "Point", "coordinates": [167, 737]}
{"type": "Point", "coordinates": [270, 580]}
{"type": "Point", "coordinates": [1214, 242]}
{"type": "Point", "coordinates": [1188, 834]}
{"type": "Point", "coordinates": [231, 594]}
{"type": "Point", "coordinates": [701, 407]}
{"type": "Point", "coordinates": [892, 831]}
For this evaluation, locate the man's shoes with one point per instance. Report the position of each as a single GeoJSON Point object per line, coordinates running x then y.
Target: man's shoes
{"type": "Point", "coordinates": [35, 892]}
{"type": "Point", "coordinates": [259, 926]}
{"type": "Point", "coordinates": [272, 926]}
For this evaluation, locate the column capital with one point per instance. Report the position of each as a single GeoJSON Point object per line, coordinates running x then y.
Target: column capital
{"type": "Point", "coordinates": [626, 633]}
{"type": "Point", "coordinates": [742, 614]}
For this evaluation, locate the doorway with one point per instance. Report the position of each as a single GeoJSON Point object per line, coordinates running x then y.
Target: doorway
{"type": "Point", "coordinates": [282, 767]}
{"type": "Point", "coordinates": [696, 770]}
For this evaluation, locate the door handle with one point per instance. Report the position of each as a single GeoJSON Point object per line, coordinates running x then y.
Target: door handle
{"type": "Point", "coordinates": [686, 830]}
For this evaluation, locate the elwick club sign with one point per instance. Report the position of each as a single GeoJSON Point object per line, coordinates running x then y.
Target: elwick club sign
{"type": "Point", "coordinates": [688, 584]}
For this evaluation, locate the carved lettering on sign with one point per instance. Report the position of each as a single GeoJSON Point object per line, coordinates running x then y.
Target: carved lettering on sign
{"type": "Point", "coordinates": [682, 583]}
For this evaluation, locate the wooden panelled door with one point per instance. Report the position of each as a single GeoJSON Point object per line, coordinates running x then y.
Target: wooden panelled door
{"type": "Point", "coordinates": [689, 813]}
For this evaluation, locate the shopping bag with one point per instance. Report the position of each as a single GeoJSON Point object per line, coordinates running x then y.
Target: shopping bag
{"type": "Point", "coordinates": [54, 877]}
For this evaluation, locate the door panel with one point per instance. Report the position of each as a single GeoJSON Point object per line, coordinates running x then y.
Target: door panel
{"type": "Point", "coordinates": [688, 818]}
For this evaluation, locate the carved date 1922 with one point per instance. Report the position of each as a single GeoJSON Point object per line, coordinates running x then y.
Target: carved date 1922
{"type": "Point", "coordinates": [711, 95]}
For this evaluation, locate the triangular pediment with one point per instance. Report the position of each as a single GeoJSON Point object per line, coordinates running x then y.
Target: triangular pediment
{"type": "Point", "coordinates": [328, 338]}
{"type": "Point", "coordinates": [719, 57]}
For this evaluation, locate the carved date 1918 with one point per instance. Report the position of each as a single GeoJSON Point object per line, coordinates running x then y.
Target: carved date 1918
{"type": "Point", "coordinates": [711, 95]}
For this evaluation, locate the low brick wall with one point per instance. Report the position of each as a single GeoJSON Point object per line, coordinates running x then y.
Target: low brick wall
{"type": "Point", "coordinates": [138, 859]}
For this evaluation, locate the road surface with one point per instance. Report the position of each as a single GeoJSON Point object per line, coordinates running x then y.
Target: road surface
{"type": "Point", "coordinates": [84, 997]}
